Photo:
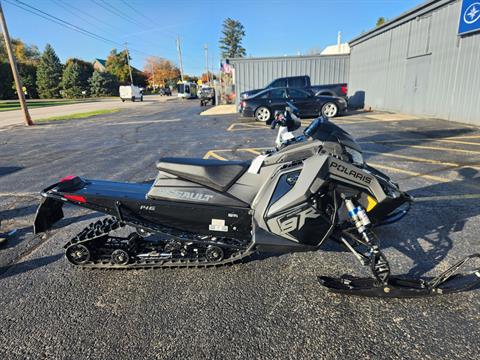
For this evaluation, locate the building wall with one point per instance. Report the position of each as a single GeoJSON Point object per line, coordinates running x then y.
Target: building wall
{"type": "Point", "coordinates": [255, 73]}
{"type": "Point", "coordinates": [421, 67]}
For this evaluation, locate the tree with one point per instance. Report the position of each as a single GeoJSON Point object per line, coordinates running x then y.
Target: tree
{"type": "Point", "coordinates": [161, 70]}
{"type": "Point", "coordinates": [380, 21]}
{"type": "Point", "coordinates": [49, 74]}
{"type": "Point", "coordinates": [208, 76]}
{"type": "Point", "coordinates": [71, 82]}
{"type": "Point", "coordinates": [231, 42]}
{"type": "Point", "coordinates": [85, 72]}
{"type": "Point", "coordinates": [103, 84]}
{"type": "Point", "coordinates": [28, 75]}
{"type": "Point", "coordinates": [6, 79]}
{"type": "Point", "coordinates": [117, 65]}
{"type": "Point", "coordinates": [23, 53]}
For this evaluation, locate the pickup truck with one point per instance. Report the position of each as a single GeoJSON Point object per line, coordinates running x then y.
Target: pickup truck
{"type": "Point", "coordinates": [302, 82]}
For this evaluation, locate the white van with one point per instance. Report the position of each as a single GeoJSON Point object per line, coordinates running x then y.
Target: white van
{"type": "Point", "coordinates": [130, 92]}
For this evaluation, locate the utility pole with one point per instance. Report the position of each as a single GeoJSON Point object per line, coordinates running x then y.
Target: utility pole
{"type": "Point", "coordinates": [153, 76]}
{"type": "Point", "coordinates": [13, 65]}
{"type": "Point", "coordinates": [179, 50]}
{"type": "Point", "coordinates": [206, 62]}
{"type": "Point", "coordinates": [128, 63]}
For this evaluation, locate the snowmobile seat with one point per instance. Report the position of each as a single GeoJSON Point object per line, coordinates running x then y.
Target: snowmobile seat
{"type": "Point", "coordinates": [215, 174]}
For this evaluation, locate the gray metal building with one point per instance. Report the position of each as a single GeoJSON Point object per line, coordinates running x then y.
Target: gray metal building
{"type": "Point", "coordinates": [418, 64]}
{"type": "Point", "coordinates": [255, 73]}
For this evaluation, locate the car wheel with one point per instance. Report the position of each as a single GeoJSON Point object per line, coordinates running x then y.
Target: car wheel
{"type": "Point", "coordinates": [329, 109]}
{"type": "Point", "coordinates": [141, 98]}
{"type": "Point", "coordinates": [262, 114]}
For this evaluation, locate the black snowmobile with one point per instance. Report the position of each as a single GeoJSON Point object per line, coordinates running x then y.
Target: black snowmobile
{"type": "Point", "coordinates": [200, 213]}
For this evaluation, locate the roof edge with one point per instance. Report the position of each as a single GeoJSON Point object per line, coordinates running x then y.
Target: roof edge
{"type": "Point", "coordinates": [418, 10]}
{"type": "Point", "coordinates": [284, 57]}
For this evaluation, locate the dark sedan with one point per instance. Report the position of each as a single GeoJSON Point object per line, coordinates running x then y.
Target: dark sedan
{"type": "Point", "coordinates": [263, 105]}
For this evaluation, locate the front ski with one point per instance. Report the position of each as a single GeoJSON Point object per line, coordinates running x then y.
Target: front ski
{"type": "Point", "coordinates": [402, 287]}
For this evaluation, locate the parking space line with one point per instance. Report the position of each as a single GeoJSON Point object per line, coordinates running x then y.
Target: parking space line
{"type": "Point", "coordinates": [423, 160]}
{"type": "Point", "coordinates": [445, 140]}
{"type": "Point", "coordinates": [212, 153]}
{"type": "Point", "coordinates": [447, 197]}
{"type": "Point", "coordinates": [438, 148]}
{"type": "Point", "coordinates": [412, 173]}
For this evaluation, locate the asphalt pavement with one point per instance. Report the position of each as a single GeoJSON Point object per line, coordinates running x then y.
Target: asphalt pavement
{"type": "Point", "coordinates": [269, 307]}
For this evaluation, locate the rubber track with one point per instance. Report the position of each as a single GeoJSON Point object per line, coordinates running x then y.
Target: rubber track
{"type": "Point", "coordinates": [104, 227]}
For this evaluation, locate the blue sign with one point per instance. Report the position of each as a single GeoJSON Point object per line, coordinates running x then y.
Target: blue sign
{"type": "Point", "coordinates": [469, 17]}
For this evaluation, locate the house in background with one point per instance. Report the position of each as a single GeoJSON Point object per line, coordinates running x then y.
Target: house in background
{"type": "Point", "coordinates": [99, 65]}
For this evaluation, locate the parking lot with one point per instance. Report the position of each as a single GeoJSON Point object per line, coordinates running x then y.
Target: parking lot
{"type": "Point", "coordinates": [269, 307]}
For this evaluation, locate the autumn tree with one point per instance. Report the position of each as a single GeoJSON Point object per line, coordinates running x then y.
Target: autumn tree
{"type": "Point", "coordinates": [160, 71]}
{"type": "Point", "coordinates": [231, 42]}
{"type": "Point", "coordinates": [117, 65]}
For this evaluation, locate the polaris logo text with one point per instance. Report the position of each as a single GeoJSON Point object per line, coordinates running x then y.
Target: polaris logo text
{"type": "Point", "coordinates": [184, 195]}
{"type": "Point", "coordinates": [350, 172]}
{"type": "Point", "coordinates": [298, 220]}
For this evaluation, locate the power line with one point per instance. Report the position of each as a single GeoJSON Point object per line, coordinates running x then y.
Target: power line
{"type": "Point", "coordinates": [67, 24]}
{"type": "Point", "coordinates": [116, 12]}
{"type": "Point", "coordinates": [85, 17]}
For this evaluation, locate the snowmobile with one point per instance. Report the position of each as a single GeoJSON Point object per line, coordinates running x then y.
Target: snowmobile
{"type": "Point", "coordinates": [201, 212]}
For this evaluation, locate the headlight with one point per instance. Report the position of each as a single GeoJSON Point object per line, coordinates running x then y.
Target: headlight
{"type": "Point", "coordinates": [357, 156]}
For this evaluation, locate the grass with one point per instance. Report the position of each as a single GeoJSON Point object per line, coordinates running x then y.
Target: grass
{"type": "Point", "coordinates": [75, 116]}
{"type": "Point", "coordinates": [15, 105]}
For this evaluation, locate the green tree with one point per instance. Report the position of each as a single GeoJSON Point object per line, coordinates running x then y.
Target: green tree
{"type": "Point", "coordinates": [28, 75]}
{"type": "Point", "coordinates": [49, 74]}
{"type": "Point", "coordinates": [103, 84]}
{"type": "Point", "coordinates": [71, 84]}
{"type": "Point", "coordinates": [6, 79]}
{"type": "Point", "coordinates": [117, 65]}
{"type": "Point", "coordinates": [231, 42]}
{"type": "Point", "coordinates": [380, 21]}
{"type": "Point", "coordinates": [85, 72]}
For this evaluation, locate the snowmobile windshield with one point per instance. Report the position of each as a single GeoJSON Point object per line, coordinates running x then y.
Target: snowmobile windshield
{"type": "Point", "coordinates": [324, 130]}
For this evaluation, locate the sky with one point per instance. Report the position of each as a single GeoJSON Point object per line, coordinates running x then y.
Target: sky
{"type": "Point", "coordinates": [272, 27]}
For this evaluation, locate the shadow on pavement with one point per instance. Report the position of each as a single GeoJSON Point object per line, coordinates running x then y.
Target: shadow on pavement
{"type": "Point", "coordinates": [7, 170]}
{"type": "Point", "coordinates": [19, 268]}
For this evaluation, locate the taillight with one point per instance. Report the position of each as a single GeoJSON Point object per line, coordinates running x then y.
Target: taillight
{"type": "Point", "coordinates": [76, 198]}
{"type": "Point", "coordinates": [344, 90]}
{"type": "Point", "coordinates": [243, 104]}
{"type": "Point", "coordinates": [67, 178]}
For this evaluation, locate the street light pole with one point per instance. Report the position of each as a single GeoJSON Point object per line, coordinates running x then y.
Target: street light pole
{"type": "Point", "coordinates": [13, 65]}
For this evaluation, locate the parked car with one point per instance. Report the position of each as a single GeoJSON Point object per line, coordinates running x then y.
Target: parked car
{"type": "Point", "coordinates": [263, 105]}
{"type": "Point", "coordinates": [130, 92]}
{"type": "Point", "coordinates": [165, 91]}
{"type": "Point", "coordinates": [206, 95]}
{"type": "Point", "coordinates": [302, 82]}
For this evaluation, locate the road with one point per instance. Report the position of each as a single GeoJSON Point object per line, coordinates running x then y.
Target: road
{"type": "Point", "coordinates": [15, 117]}
{"type": "Point", "coordinates": [270, 307]}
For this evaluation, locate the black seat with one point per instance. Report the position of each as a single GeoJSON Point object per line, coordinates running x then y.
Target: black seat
{"type": "Point", "coordinates": [216, 174]}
